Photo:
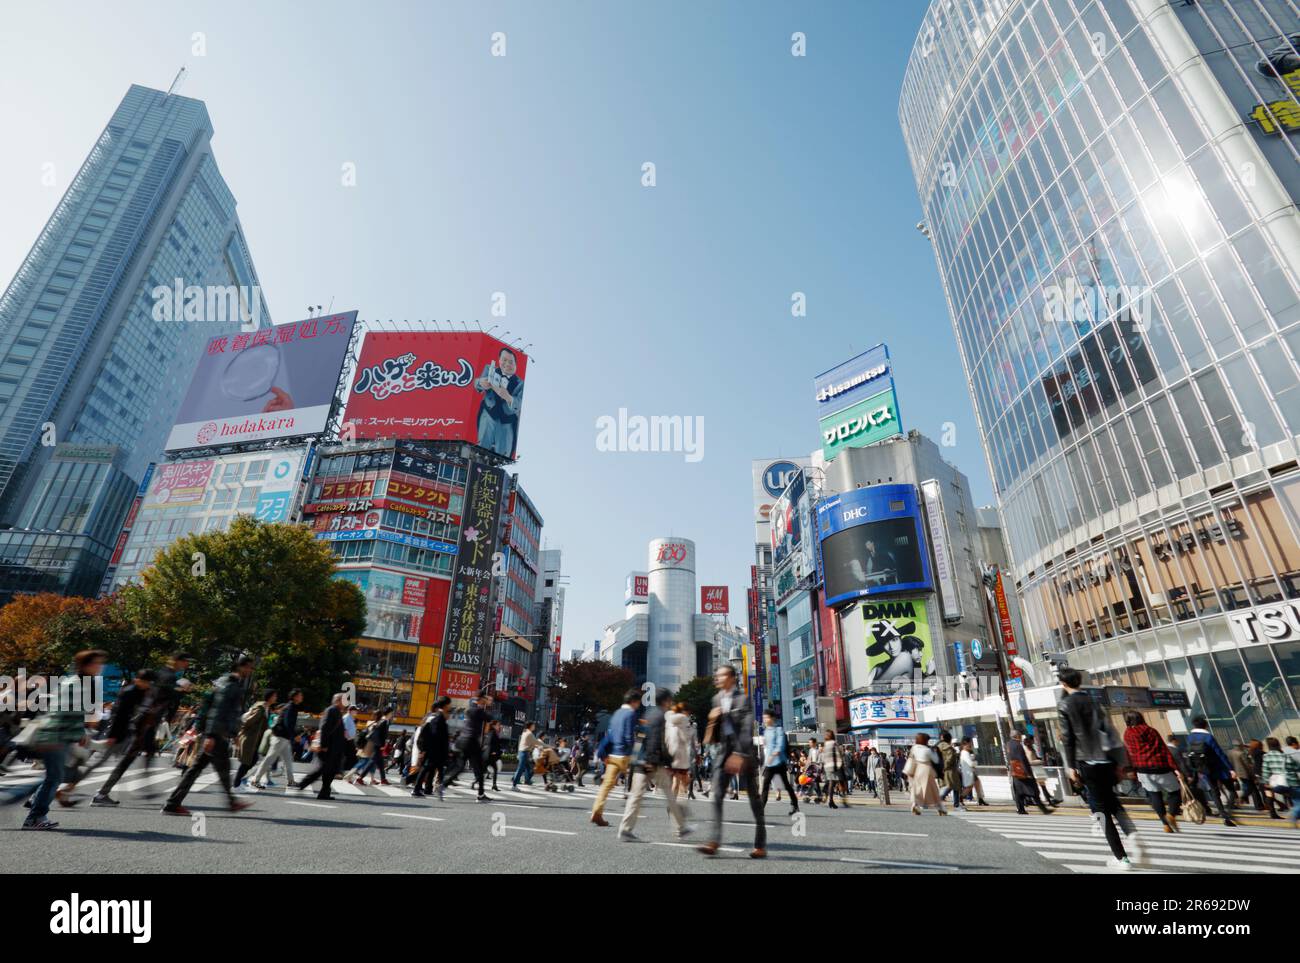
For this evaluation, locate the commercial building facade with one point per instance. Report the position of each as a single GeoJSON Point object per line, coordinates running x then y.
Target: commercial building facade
{"type": "Point", "coordinates": [89, 380]}
{"type": "Point", "coordinates": [1110, 188]}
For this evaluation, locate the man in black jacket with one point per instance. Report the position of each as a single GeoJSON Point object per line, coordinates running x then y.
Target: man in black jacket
{"type": "Point", "coordinates": [434, 744]}
{"type": "Point", "coordinates": [650, 765]}
{"type": "Point", "coordinates": [469, 744]}
{"type": "Point", "coordinates": [218, 724]}
{"type": "Point", "coordinates": [281, 748]}
{"type": "Point", "coordinates": [731, 727]}
{"type": "Point", "coordinates": [1090, 759]}
{"type": "Point", "coordinates": [330, 755]}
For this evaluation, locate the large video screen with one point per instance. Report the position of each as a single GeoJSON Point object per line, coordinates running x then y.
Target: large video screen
{"type": "Point", "coordinates": [873, 557]}
{"type": "Point", "coordinates": [438, 386]}
{"type": "Point", "coordinates": [275, 382]}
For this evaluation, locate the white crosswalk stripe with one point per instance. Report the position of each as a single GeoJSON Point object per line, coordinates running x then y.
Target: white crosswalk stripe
{"type": "Point", "coordinates": [1069, 839]}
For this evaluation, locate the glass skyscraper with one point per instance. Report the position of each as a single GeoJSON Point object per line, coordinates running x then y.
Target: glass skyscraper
{"type": "Point", "coordinates": [89, 381]}
{"type": "Point", "coordinates": [1110, 188]}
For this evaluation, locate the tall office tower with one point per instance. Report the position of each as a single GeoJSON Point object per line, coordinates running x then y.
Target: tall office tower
{"type": "Point", "coordinates": [89, 380]}
{"type": "Point", "coordinates": [1110, 189]}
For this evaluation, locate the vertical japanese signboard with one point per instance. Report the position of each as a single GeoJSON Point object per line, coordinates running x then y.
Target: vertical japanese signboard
{"type": "Point", "coordinates": [1015, 678]}
{"type": "Point", "coordinates": [469, 626]}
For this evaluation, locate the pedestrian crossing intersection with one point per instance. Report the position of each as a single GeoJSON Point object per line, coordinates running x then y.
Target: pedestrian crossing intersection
{"type": "Point", "coordinates": [1210, 848]}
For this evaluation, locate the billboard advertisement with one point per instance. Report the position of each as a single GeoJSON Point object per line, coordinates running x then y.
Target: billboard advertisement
{"type": "Point", "coordinates": [276, 382]}
{"type": "Point", "coordinates": [771, 476]}
{"type": "Point", "coordinates": [865, 376]}
{"type": "Point", "coordinates": [881, 711]}
{"type": "Point", "coordinates": [715, 599]}
{"type": "Point", "coordinates": [1015, 677]}
{"type": "Point", "coordinates": [637, 588]}
{"type": "Point", "coordinates": [180, 483]}
{"type": "Point", "coordinates": [944, 571]}
{"type": "Point", "coordinates": [785, 522]}
{"type": "Point", "coordinates": [438, 386]}
{"type": "Point", "coordinates": [469, 625]}
{"type": "Point", "coordinates": [897, 639]}
{"type": "Point", "coordinates": [871, 543]}
{"type": "Point", "coordinates": [865, 423]}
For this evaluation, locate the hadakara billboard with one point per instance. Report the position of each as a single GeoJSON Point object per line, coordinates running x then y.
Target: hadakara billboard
{"type": "Point", "coordinates": [275, 382]}
{"type": "Point", "coordinates": [438, 386]}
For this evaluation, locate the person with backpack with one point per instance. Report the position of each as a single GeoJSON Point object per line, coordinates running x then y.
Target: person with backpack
{"type": "Point", "coordinates": [1091, 756]}
{"type": "Point", "coordinates": [1156, 768]}
{"type": "Point", "coordinates": [281, 747]}
{"type": "Point", "coordinates": [1209, 768]}
{"type": "Point", "coordinates": [951, 776]}
{"type": "Point", "coordinates": [650, 767]}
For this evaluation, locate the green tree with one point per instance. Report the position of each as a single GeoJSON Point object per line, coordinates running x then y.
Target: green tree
{"type": "Point", "coordinates": [697, 696]}
{"type": "Point", "coordinates": [585, 688]}
{"type": "Point", "coordinates": [263, 589]}
{"type": "Point", "coordinates": [41, 633]}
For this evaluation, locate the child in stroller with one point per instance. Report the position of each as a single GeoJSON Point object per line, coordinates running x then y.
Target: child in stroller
{"type": "Point", "coordinates": [552, 764]}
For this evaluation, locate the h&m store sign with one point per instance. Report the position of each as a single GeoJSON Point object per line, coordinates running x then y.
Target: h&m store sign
{"type": "Point", "coordinates": [1266, 623]}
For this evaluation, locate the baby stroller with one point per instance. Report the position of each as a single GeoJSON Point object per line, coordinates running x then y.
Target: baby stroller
{"type": "Point", "coordinates": [553, 769]}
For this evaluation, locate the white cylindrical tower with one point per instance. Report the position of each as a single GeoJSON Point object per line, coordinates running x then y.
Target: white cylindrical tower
{"type": "Point", "coordinates": [670, 658]}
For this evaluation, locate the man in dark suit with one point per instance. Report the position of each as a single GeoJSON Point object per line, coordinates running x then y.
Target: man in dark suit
{"type": "Point", "coordinates": [434, 744]}
{"type": "Point", "coordinates": [330, 755]}
{"type": "Point", "coordinates": [469, 744]}
{"type": "Point", "coordinates": [731, 728]}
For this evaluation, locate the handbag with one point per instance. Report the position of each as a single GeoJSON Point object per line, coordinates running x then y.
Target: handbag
{"type": "Point", "coordinates": [1018, 770]}
{"type": "Point", "coordinates": [1192, 807]}
{"type": "Point", "coordinates": [909, 767]}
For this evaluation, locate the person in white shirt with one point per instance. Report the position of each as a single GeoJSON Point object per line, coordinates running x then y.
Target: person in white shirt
{"type": "Point", "coordinates": [970, 780]}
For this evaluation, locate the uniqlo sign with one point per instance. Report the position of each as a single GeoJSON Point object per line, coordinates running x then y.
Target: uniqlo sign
{"type": "Point", "coordinates": [714, 600]}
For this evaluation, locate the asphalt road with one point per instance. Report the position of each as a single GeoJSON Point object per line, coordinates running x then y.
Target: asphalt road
{"type": "Point", "coordinates": [530, 831]}
{"type": "Point", "coordinates": [382, 829]}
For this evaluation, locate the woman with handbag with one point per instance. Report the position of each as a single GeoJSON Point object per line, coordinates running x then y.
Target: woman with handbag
{"type": "Point", "coordinates": [919, 769]}
{"type": "Point", "coordinates": [1024, 787]}
{"type": "Point", "coordinates": [1156, 768]}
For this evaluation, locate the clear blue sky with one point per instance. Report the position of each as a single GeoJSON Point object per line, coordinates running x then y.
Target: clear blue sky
{"type": "Point", "coordinates": [522, 174]}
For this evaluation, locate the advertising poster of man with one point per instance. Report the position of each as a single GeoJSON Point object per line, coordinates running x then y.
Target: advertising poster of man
{"type": "Point", "coordinates": [898, 640]}
{"type": "Point", "coordinates": [502, 387]}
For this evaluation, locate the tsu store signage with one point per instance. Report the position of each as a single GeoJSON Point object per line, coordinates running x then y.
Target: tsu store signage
{"type": "Point", "coordinates": [867, 422]}
{"type": "Point", "coordinates": [714, 599]}
{"type": "Point", "coordinates": [854, 381]}
{"type": "Point", "coordinates": [889, 710]}
{"type": "Point", "coordinates": [1266, 623]}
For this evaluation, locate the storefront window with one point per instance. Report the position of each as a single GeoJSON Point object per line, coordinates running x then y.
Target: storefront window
{"type": "Point", "coordinates": [1271, 691]}
{"type": "Point", "coordinates": [1180, 675]}
{"type": "Point", "coordinates": [1288, 659]}
{"type": "Point", "coordinates": [1242, 697]}
{"type": "Point", "coordinates": [1218, 709]}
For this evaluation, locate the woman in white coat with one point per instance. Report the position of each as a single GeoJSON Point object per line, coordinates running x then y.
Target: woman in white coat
{"type": "Point", "coordinates": [679, 741]}
{"type": "Point", "coordinates": [921, 782]}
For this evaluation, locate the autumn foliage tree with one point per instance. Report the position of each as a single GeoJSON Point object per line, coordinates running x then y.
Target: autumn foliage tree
{"type": "Point", "coordinates": [41, 633]}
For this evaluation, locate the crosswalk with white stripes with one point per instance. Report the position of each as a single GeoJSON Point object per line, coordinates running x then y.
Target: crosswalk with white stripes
{"type": "Point", "coordinates": [1209, 848]}
{"type": "Point", "coordinates": [161, 778]}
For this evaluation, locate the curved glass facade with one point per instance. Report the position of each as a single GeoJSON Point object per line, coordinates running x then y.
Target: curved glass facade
{"type": "Point", "coordinates": [1110, 187]}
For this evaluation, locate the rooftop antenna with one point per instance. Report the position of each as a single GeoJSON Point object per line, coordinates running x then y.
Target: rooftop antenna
{"type": "Point", "coordinates": [177, 81]}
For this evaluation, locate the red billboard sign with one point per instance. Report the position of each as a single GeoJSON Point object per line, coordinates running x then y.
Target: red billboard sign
{"type": "Point", "coordinates": [714, 600]}
{"type": "Point", "coordinates": [439, 386]}
{"type": "Point", "coordinates": [1007, 631]}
